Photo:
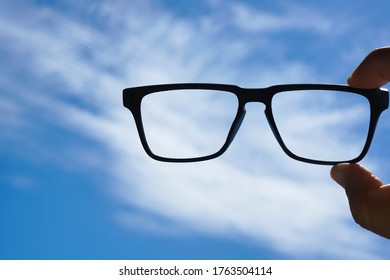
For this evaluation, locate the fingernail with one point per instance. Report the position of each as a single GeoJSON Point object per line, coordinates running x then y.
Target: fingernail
{"type": "Point", "coordinates": [338, 174]}
{"type": "Point", "coordinates": [349, 79]}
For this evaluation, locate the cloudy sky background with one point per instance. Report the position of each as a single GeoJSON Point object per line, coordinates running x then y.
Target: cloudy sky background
{"type": "Point", "coordinates": [75, 181]}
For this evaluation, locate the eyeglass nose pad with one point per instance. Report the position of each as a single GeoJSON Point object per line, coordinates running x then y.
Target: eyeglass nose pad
{"type": "Point", "coordinates": [235, 127]}
{"type": "Point", "coordinates": [274, 129]}
{"type": "Point", "coordinates": [271, 122]}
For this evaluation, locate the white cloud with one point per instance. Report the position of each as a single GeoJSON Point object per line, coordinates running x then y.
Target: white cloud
{"type": "Point", "coordinates": [293, 18]}
{"type": "Point", "coordinates": [272, 200]}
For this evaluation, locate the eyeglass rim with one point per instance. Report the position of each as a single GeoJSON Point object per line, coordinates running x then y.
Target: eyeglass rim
{"type": "Point", "coordinates": [132, 97]}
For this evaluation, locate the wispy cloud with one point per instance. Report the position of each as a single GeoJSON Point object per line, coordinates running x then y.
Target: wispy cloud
{"type": "Point", "coordinates": [292, 18]}
{"type": "Point", "coordinates": [267, 199]}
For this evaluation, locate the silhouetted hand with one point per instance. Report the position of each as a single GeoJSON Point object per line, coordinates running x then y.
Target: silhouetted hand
{"type": "Point", "coordinates": [369, 199]}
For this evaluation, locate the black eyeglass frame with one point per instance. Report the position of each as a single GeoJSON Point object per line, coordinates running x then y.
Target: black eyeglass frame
{"type": "Point", "coordinates": [132, 98]}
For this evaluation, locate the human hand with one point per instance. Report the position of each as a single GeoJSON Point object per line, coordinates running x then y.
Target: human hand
{"type": "Point", "coordinates": [369, 199]}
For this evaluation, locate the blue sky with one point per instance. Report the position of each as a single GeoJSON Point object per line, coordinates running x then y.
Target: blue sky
{"type": "Point", "coordinates": [75, 181]}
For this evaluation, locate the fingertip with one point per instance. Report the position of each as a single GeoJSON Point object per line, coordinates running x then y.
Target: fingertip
{"type": "Point", "coordinates": [338, 174]}
{"type": "Point", "coordinates": [348, 80]}
{"type": "Point", "coordinates": [354, 177]}
{"type": "Point", "coordinates": [373, 71]}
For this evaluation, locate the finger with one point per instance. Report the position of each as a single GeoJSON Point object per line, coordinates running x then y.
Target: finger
{"type": "Point", "coordinates": [362, 189]}
{"type": "Point", "coordinates": [354, 178]}
{"type": "Point", "coordinates": [374, 71]}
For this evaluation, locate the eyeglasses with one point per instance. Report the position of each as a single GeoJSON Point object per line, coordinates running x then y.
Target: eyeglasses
{"type": "Point", "coordinates": [313, 123]}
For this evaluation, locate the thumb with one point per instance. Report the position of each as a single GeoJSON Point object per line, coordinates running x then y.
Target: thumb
{"type": "Point", "coordinates": [366, 196]}
{"type": "Point", "coordinates": [354, 178]}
